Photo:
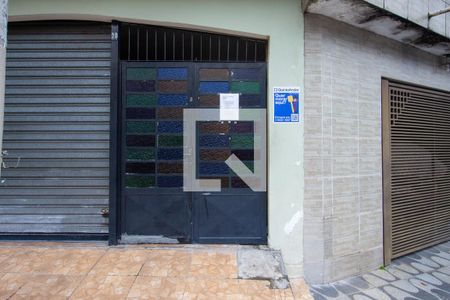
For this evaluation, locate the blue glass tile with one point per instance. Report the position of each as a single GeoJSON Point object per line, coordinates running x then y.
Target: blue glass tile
{"type": "Point", "coordinates": [239, 74]}
{"type": "Point", "coordinates": [140, 113]}
{"type": "Point", "coordinates": [140, 140]}
{"type": "Point", "coordinates": [214, 141]}
{"type": "Point", "coordinates": [172, 100]}
{"type": "Point", "coordinates": [248, 100]}
{"type": "Point", "coordinates": [170, 181]}
{"type": "Point", "coordinates": [213, 168]}
{"type": "Point", "coordinates": [170, 153]}
{"type": "Point", "coordinates": [170, 127]}
{"type": "Point", "coordinates": [172, 73]}
{"type": "Point", "coordinates": [211, 87]}
{"type": "Point", "coordinates": [140, 86]}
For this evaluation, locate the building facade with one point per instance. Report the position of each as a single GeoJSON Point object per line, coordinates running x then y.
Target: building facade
{"type": "Point", "coordinates": [95, 94]}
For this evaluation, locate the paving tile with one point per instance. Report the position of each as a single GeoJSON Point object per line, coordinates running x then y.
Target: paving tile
{"type": "Point", "coordinates": [156, 288]}
{"type": "Point", "coordinates": [10, 283]}
{"type": "Point", "coordinates": [440, 260]}
{"type": "Point", "coordinates": [48, 287]}
{"type": "Point", "coordinates": [400, 274]}
{"type": "Point", "coordinates": [255, 289]}
{"type": "Point", "coordinates": [120, 262]}
{"type": "Point", "coordinates": [445, 270]}
{"type": "Point", "coordinates": [442, 277]}
{"type": "Point", "coordinates": [300, 289]}
{"type": "Point", "coordinates": [211, 289]}
{"type": "Point", "coordinates": [358, 282]}
{"type": "Point", "coordinates": [167, 263]}
{"type": "Point", "coordinates": [68, 261]}
{"type": "Point", "coordinates": [396, 293]}
{"type": "Point", "coordinates": [429, 288]}
{"type": "Point", "coordinates": [23, 262]}
{"type": "Point", "coordinates": [103, 287]}
{"type": "Point", "coordinates": [374, 280]}
{"type": "Point", "coordinates": [377, 294]}
{"type": "Point", "coordinates": [383, 274]}
{"type": "Point", "coordinates": [345, 288]}
{"type": "Point", "coordinates": [213, 265]}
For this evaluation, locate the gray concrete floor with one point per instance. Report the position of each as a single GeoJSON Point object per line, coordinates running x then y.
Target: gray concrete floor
{"type": "Point", "coordinates": [422, 275]}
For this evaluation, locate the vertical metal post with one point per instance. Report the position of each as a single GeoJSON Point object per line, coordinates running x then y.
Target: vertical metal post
{"type": "Point", "coordinates": [3, 35]}
{"type": "Point", "coordinates": [114, 153]}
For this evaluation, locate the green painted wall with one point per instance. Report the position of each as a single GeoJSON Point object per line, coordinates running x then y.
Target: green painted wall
{"type": "Point", "coordinates": [282, 23]}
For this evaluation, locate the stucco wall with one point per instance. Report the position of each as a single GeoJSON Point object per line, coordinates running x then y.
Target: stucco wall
{"type": "Point", "coordinates": [282, 24]}
{"type": "Point", "coordinates": [343, 164]}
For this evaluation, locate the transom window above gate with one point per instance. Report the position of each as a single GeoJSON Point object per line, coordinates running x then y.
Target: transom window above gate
{"type": "Point", "coordinates": [154, 43]}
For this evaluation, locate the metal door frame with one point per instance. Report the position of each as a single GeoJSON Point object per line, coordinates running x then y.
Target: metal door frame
{"type": "Point", "coordinates": [116, 207]}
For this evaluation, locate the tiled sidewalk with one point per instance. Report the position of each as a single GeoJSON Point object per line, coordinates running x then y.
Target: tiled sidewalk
{"type": "Point", "coordinates": [95, 271]}
{"type": "Point", "coordinates": [422, 275]}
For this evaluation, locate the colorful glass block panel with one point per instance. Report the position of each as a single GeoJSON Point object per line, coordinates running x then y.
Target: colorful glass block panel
{"type": "Point", "coordinates": [172, 100]}
{"type": "Point", "coordinates": [249, 100]}
{"type": "Point", "coordinates": [140, 127]}
{"type": "Point", "coordinates": [245, 74]}
{"type": "Point", "coordinates": [172, 73]}
{"type": "Point", "coordinates": [242, 141]}
{"type": "Point", "coordinates": [170, 141]}
{"type": "Point", "coordinates": [170, 154]}
{"type": "Point", "coordinates": [245, 87]}
{"type": "Point", "coordinates": [141, 74]}
{"type": "Point", "coordinates": [140, 154]}
{"type": "Point", "coordinates": [141, 100]}
{"type": "Point", "coordinates": [170, 127]}
{"type": "Point", "coordinates": [140, 113]}
{"type": "Point", "coordinates": [169, 168]}
{"type": "Point", "coordinates": [206, 168]}
{"type": "Point", "coordinates": [214, 154]}
{"type": "Point", "coordinates": [170, 181]}
{"type": "Point", "coordinates": [140, 140]}
{"type": "Point", "coordinates": [237, 182]}
{"type": "Point", "coordinates": [209, 101]}
{"type": "Point", "coordinates": [172, 86]}
{"type": "Point", "coordinates": [242, 127]}
{"type": "Point", "coordinates": [214, 74]}
{"type": "Point", "coordinates": [214, 141]}
{"type": "Point", "coordinates": [210, 87]}
{"type": "Point", "coordinates": [132, 181]}
{"type": "Point", "coordinates": [214, 127]}
{"type": "Point", "coordinates": [140, 86]}
{"type": "Point", "coordinates": [244, 154]}
{"type": "Point", "coordinates": [140, 167]}
{"type": "Point", "coordinates": [170, 113]}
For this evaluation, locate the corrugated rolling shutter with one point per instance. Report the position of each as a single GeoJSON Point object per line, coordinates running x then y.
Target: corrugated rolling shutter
{"type": "Point", "coordinates": [57, 122]}
{"type": "Point", "coordinates": [416, 139]}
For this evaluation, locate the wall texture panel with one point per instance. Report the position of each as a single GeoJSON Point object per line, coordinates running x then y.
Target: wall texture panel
{"type": "Point", "coordinates": [57, 122]}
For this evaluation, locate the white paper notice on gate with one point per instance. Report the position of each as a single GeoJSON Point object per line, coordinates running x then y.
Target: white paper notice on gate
{"type": "Point", "coordinates": [229, 107]}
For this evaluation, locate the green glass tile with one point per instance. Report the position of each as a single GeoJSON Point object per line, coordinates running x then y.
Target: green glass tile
{"type": "Point", "coordinates": [249, 164]}
{"type": "Point", "coordinates": [139, 181]}
{"type": "Point", "coordinates": [141, 100]}
{"type": "Point", "coordinates": [244, 141]}
{"type": "Point", "coordinates": [141, 74]}
{"type": "Point", "coordinates": [140, 127]}
{"type": "Point", "coordinates": [141, 154]}
{"type": "Point", "coordinates": [170, 140]}
{"type": "Point", "coordinates": [246, 87]}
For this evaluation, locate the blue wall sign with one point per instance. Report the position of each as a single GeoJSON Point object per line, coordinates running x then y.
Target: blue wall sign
{"type": "Point", "coordinates": [286, 104]}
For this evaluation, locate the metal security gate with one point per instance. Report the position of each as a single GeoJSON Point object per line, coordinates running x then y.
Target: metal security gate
{"type": "Point", "coordinates": [416, 167]}
{"type": "Point", "coordinates": [57, 123]}
{"type": "Point", "coordinates": [154, 205]}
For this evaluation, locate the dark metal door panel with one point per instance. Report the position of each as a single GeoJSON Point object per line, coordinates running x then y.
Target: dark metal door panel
{"type": "Point", "coordinates": [230, 217]}
{"type": "Point", "coordinates": [153, 201]}
{"type": "Point", "coordinates": [236, 214]}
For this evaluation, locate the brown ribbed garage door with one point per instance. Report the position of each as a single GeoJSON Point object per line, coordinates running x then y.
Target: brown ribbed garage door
{"type": "Point", "coordinates": [416, 167]}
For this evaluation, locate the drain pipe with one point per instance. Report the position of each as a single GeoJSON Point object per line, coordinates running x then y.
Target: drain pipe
{"type": "Point", "coordinates": [3, 29]}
